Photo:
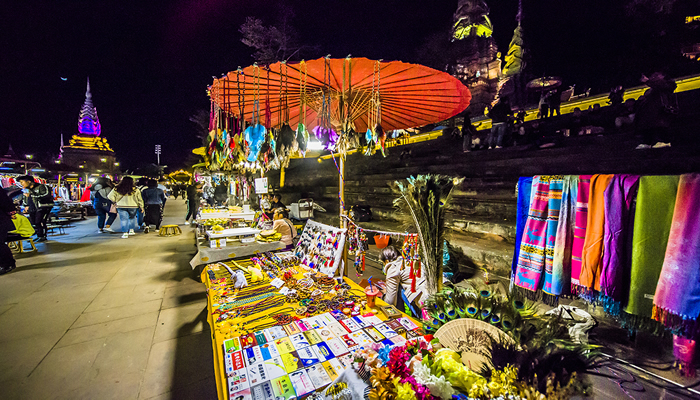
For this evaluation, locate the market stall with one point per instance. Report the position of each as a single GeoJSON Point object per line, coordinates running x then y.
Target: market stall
{"type": "Point", "coordinates": [266, 344]}
{"type": "Point", "coordinates": [225, 233]}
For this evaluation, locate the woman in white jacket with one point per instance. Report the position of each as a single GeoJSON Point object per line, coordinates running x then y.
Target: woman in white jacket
{"type": "Point", "coordinates": [398, 276]}
{"type": "Point", "coordinates": [129, 202]}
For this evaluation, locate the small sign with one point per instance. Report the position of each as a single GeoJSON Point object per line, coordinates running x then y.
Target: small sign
{"type": "Point", "coordinates": [261, 186]}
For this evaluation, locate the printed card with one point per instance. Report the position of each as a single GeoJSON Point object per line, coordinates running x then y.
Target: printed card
{"type": "Point", "coordinates": [338, 315]}
{"type": "Point", "coordinates": [248, 341]}
{"type": "Point", "coordinates": [292, 329]}
{"type": "Point", "coordinates": [308, 356]}
{"type": "Point", "coordinates": [283, 389]}
{"type": "Point", "coordinates": [374, 334]}
{"type": "Point", "coordinates": [372, 319]}
{"type": "Point", "coordinates": [323, 351]}
{"type": "Point", "coordinates": [275, 332]}
{"type": "Point", "coordinates": [253, 355]}
{"type": "Point", "coordinates": [361, 338]}
{"type": "Point", "coordinates": [291, 362]}
{"type": "Point", "coordinates": [349, 342]}
{"type": "Point", "coordinates": [301, 382]}
{"type": "Point", "coordinates": [337, 329]}
{"type": "Point", "coordinates": [231, 345]}
{"type": "Point", "coordinates": [318, 375]}
{"type": "Point", "coordinates": [303, 326]}
{"type": "Point", "coordinates": [407, 323]}
{"type": "Point", "coordinates": [269, 350]}
{"type": "Point", "coordinates": [333, 366]}
{"type": "Point", "coordinates": [385, 330]}
{"type": "Point", "coordinates": [398, 339]}
{"type": "Point", "coordinates": [395, 324]}
{"type": "Point", "coordinates": [238, 381]}
{"type": "Point", "coordinates": [242, 395]}
{"type": "Point", "coordinates": [233, 362]}
{"type": "Point", "coordinates": [258, 374]}
{"type": "Point", "coordinates": [284, 345]}
{"type": "Point", "coordinates": [260, 337]}
{"type": "Point", "coordinates": [313, 322]}
{"type": "Point", "coordinates": [275, 367]}
{"type": "Point", "coordinates": [350, 325]}
{"type": "Point", "coordinates": [313, 337]}
{"type": "Point", "coordinates": [262, 392]}
{"type": "Point", "coordinates": [361, 322]}
{"type": "Point", "coordinates": [337, 346]}
{"type": "Point", "coordinates": [299, 341]}
{"type": "Point", "coordinates": [327, 318]}
{"type": "Point", "coordinates": [325, 333]}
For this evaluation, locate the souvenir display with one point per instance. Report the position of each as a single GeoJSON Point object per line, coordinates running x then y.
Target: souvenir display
{"type": "Point", "coordinates": [320, 247]}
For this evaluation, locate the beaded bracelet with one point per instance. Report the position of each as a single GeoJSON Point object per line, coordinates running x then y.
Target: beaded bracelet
{"type": "Point", "coordinates": [301, 310]}
{"type": "Point", "coordinates": [311, 309]}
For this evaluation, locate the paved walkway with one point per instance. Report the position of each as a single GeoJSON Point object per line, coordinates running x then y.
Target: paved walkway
{"type": "Point", "coordinates": [94, 316]}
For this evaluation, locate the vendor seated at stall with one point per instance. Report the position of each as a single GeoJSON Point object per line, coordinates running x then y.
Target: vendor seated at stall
{"type": "Point", "coordinates": [284, 227]}
{"type": "Point", "coordinates": [277, 202]}
{"type": "Point", "coordinates": [23, 228]}
{"type": "Point", "coordinates": [398, 276]}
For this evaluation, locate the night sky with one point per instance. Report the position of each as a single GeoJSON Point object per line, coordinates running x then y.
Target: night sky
{"type": "Point", "coordinates": [150, 61]}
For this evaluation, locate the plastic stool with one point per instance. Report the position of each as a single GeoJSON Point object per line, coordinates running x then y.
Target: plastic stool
{"type": "Point", "coordinates": [169, 230]}
{"type": "Point", "coordinates": [19, 246]}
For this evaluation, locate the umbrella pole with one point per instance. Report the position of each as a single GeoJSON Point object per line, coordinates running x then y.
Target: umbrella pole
{"type": "Point", "coordinates": [343, 222]}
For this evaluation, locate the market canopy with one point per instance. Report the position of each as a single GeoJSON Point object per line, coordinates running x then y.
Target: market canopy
{"type": "Point", "coordinates": [351, 93]}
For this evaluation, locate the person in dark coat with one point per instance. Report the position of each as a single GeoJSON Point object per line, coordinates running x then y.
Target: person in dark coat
{"type": "Point", "coordinates": [7, 209]}
{"type": "Point", "coordinates": [499, 115]}
{"type": "Point", "coordinates": [42, 197]}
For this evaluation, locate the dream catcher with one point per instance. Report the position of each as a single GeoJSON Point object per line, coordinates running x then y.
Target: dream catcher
{"type": "Point", "coordinates": [324, 131]}
{"type": "Point", "coordinates": [286, 143]}
{"type": "Point", "coordinates": [375, 135]}
{"type": "Point", "coordinates": [302, 135]}
{"type": "Point", "coordinates": [255, 134]}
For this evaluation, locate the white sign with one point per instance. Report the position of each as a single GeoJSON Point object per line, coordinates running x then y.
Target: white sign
{"type": "Point", "coordinates": [260, 185]}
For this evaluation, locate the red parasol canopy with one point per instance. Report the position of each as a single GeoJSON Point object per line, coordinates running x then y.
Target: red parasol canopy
{"type": "Point", "coordinates": [356, 90]}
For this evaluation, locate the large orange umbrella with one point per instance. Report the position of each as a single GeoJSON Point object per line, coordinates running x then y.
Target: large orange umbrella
{"type": "Point", "coordinates": [341, 94]}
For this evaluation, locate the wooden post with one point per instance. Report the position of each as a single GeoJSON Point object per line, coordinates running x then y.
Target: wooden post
{"type": "Point", "coordinates": [343, 222]}
{"type": "Point", "coordinates": [282, 177]}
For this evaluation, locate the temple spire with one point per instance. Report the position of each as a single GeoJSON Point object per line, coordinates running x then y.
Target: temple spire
{"type": "Point", "coordinates": [88, 123]}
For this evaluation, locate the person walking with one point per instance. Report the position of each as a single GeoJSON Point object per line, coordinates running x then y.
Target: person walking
{"type": "Point", "coordinates": [129, 201]}
{"type": "Point", "coordinates": [193, 193]}
{"type": "Point", "coordinates": [154, 200]}
{"type": "Point", "coordinates": [7, 210]}
{"type": "Point", "coordinates": [102, 205]}
{"type": "Point", "coordinates": [42, 197]}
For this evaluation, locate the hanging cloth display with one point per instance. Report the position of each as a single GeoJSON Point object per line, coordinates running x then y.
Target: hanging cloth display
{"type": "Point", "coordinates": [559, 282]}
{"type": "Point", "coordinates": [617, 239]}
{"type": "Point", "coordinates": [584, 182]}
{"type": "Point", "coordinates": [534, 242]}
{"type": "Point", "coordinates": [652, 223]}
{"type": "Point", "coordinates": [593, 243]}
{"type": "Point", "coordinates": [677, 298]}
{"type": "Point", "coordinates": [556, 183]}
{"type": "Point", "coordinates": [524, 190]}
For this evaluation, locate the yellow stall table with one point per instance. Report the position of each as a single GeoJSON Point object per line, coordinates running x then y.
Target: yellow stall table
{"type": "Point", "coordinates": [257, 314]}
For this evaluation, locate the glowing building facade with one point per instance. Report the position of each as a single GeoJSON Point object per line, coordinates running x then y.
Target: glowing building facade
{"type": "Point", "coordinates": [87, 150]}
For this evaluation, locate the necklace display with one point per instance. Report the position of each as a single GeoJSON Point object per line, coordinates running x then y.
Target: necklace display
{"type": "Point", "coordinates": [320, 246]}
{"type": "Point", "coordinates": [357, 246]}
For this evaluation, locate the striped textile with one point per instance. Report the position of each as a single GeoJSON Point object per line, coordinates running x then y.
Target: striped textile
{"type": "Point", "coordinates": [559, 282]}
{"type": "Point", "coordinates": [523, 208]}
{"type": "Point", "coordinates": [556, 185]}
{"type": "Point", "coordinates": [584, 182]}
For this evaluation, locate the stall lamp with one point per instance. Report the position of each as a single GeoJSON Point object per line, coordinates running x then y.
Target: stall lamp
{"type": "Point", "coordinates": [314, 146]}
{"type": "Point", "coordinates": [57, 161]}
{"type": "Point", "coordinates": [29, 156]}
{"type": "Point", "coordinates": [320, 160]}
{"type": "Point", "coordinates": [116, 164]}
{"type": "Point", "coordinates": [38, 170]}
{"type": "Point", "coordinates": [103, 159]}
{"type": "Point", "coordinates": [93, 179]}
{"type": "Point", "coordinates": [81, 166]}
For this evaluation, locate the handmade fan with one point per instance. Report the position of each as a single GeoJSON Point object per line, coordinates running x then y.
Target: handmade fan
{"type": "Point", "coordinates": [472, 338]}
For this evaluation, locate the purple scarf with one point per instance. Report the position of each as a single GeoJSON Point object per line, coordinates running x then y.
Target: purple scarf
{"type": "Point", "coordinates": [619, 220]}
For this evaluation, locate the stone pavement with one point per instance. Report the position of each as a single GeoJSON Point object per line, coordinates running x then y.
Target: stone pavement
{"type": "Point", "coordinates": [94, 316]}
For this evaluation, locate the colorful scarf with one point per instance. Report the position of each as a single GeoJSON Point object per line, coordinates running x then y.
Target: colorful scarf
{"type": "Point", "coordinates": [617, 240]}
{"type": "Point", "coordinates": [584, 182]}
{"type": "Point", "coordinates": [677, 298]}
{"type": "Point", "coordinates": [524, 193]}
{"type": "Point", "coordinates": [559, 281]}
{"type": "Point", "coordinates": [537, 247]}
{"type": "Point", "coordinates": [652, 223]}
{"type": "Point", "coordinates": [593, 244]}
{"type": "Point", "coordinates": [556, 186]}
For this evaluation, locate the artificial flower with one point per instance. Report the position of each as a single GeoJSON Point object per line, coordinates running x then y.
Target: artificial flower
{"type": "Point", "coordinates": [404, 391]}
{"type": "Point", "coordinates": [438, 386]}
{"type": "Point", "coordinates": [398, 358]}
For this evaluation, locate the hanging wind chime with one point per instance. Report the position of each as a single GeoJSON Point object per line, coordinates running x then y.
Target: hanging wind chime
{"type": "Point", "coordinates": [411, 258]}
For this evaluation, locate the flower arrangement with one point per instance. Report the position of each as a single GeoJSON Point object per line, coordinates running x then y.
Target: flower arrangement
{"type": "Point", "coordinates": [418, 370]}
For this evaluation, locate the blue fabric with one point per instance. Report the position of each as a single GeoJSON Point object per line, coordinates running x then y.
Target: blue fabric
{"type": "Point", "coordinates": [524, 194]}
{"type": "Point", "coordinates": [254, 136]}
{"type": "Point", "coordinates": [153, 196]}
{"type": "Point", "coordinates": [127, 218]}
{"type": "Point", "coordinates": [102, 213]}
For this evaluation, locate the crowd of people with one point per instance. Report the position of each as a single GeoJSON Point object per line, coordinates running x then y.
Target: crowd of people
{"type": "Point", "coordinates": [648, 117]}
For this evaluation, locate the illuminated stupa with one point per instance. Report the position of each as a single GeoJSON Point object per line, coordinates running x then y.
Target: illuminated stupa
{"type": "Point", "coordinates": [87, 150]}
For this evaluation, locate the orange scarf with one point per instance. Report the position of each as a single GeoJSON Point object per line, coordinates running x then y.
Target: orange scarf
{"type": "Point", "coordinates": [592, 256]}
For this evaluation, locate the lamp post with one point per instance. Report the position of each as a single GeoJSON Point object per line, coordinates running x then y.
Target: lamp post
{"type": "Point", "coordinates": [158, 153]}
